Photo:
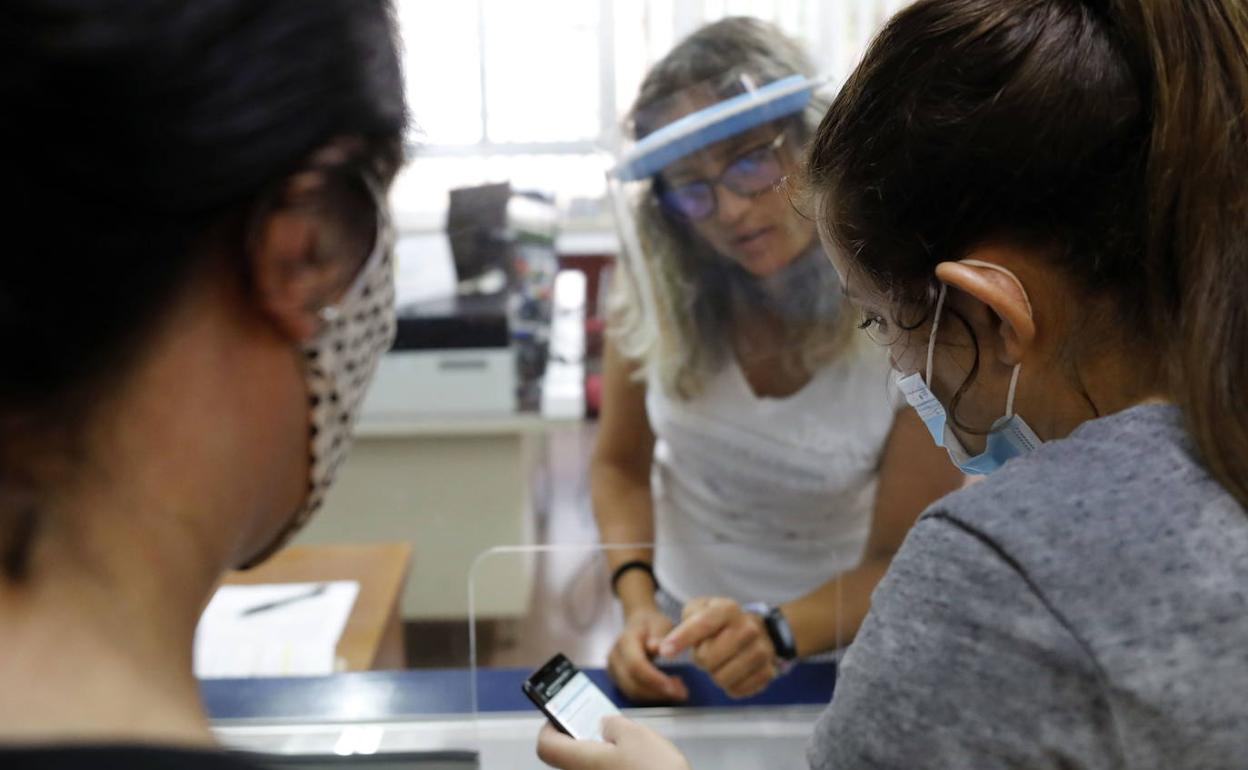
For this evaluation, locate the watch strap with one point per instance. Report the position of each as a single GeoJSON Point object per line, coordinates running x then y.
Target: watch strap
{"type": "Point", "coordinates": [627, 567]}
{"type": "Point", "coordinates": [778, 629]}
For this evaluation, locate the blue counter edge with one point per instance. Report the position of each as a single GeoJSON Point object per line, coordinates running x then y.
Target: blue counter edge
{"type": "Point", "coordinates": [387, 695]}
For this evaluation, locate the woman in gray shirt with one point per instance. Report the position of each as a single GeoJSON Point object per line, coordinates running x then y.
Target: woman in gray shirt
{"type": "Point", "coordinates": [1041, 207]}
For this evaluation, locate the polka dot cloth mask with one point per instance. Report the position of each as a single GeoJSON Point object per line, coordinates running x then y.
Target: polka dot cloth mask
{"type": "Point", "coordinates": [339, 364]}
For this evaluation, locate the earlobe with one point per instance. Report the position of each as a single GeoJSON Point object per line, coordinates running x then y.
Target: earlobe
{"type": "Point", "coordinates": [288, 284]}
{"type": "Point", "coordinates": [1003, 294]}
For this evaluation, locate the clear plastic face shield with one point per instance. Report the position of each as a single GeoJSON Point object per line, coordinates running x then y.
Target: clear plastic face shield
{"type": "Point", "coordinates": [714, 235]}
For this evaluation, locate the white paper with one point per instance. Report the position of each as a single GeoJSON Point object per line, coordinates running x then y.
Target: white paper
{"type": "Point", "coordinates": [295, 638]}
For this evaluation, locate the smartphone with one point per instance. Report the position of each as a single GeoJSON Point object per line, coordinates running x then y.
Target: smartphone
{"type": "Point", "coordinates": [569, 699]}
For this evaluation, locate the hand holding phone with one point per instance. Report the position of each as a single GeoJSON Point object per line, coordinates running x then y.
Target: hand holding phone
{"type": "Point", "coordinates": [627, 746]}
{"type": "Point", "coordinates": [569, 699]}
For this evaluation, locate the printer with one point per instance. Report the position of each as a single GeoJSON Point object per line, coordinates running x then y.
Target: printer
{"type": "Point", "coordinates": [474, 310]}
{"type": "Point", "coordinates": [451, 356]}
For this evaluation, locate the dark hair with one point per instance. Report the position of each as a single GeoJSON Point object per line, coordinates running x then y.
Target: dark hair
{"type": "Point", "coordinates": [134, 131]}
{"type": "Point", "coordinates": [1111, 135]}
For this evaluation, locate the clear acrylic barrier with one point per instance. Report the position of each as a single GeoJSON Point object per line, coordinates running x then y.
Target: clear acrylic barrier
{"type": "Point", "coordinates": [571, 610]}
{"type": "Point", "coordinates": [526, 604]}
{"type": "Point", "coordinates": [569, 605]}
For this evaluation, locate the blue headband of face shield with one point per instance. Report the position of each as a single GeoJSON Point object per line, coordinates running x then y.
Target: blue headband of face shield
{"type": "Point", "coordinates": [1009, 437]}
{"type": "Point", "coordinates": [700, 129]}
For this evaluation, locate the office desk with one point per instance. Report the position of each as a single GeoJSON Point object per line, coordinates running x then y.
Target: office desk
{"type": "Point", "coordinates": [373, 637]}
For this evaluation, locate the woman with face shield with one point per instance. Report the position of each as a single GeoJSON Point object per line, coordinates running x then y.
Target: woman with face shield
{"type": "Point", "coordinates": [1041, 208]}
{"type": "Point", "coordinates": [195, 289]}
{"type": "Point", "coordinates": [745, 431]}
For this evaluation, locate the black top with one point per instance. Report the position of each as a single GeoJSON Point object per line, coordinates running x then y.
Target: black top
{"type": "Point", "coordinates": [120, 758]}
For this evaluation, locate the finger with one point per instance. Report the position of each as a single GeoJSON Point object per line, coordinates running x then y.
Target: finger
{"type": "Point", "coordinates": [752, 685]}
{"type": "Point", "coordinates": [619, 672]}
{"type": "Point", "coordinates": [748, 663]}
{"type": "Point", "coordinates": [626, 678]}
{"type": "Point", "coordinates": [694, 606]}
{"type": "Point", "coordinates": [616, 728]}
{"type": "Point", "coordinates": [655, 681]}
{"type": "Point", "coordinates": [729, 643]}
{"type": "Point", "coordinates": [639, 678]}
{"type": "Point", "coordinates": [558, 750]}
{"type": "Point", "coordinates": [698, 627]}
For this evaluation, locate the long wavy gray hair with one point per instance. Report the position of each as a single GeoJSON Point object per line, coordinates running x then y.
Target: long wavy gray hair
{"type": "Point", "coordinates": [693, 285]}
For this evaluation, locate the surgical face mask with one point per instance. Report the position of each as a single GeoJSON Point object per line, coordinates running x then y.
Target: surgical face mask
{"type": "Point", "coordinates": [339, 364]}
{"type": "Point", "coordinates": [1009, 437]}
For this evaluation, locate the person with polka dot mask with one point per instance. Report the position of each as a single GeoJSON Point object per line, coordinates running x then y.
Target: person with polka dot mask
{"type": "Point", "coordinates": [339, 365]}
{"type": "Point", "coordinates": [195, 291]}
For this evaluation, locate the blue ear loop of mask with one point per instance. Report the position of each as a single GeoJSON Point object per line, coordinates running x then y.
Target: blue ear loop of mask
{"type": "Point", "coordinates": [1009, 437]}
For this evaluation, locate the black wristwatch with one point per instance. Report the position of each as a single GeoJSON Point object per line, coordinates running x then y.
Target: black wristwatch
{"type": "Point", "coordinates": [778, 629]}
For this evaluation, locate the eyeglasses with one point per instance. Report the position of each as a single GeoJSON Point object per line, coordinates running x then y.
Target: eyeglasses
{"type": "Point", "coordinates": [753, 173]}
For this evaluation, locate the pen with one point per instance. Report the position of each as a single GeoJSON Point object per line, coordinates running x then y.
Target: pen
{"type": "Point", "coordinates": [276, 603]}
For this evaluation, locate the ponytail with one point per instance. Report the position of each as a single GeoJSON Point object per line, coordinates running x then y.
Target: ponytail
{"type": "Point", "coordinates": [1194, 53]}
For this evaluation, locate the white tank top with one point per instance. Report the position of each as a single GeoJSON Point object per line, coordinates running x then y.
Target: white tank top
{"type": "Point", "coordinates": [764, 499]}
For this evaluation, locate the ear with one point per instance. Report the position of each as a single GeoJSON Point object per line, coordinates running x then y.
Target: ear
{"type": "Point", "coordinates": [1002, 294]}
{"type": "Point", "coordinates": [292, 284]}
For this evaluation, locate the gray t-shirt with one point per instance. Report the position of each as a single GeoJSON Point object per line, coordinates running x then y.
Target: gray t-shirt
{"type": "Point", "coordinates": [1086, 607]}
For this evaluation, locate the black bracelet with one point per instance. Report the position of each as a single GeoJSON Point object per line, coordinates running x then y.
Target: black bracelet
{"type": "Point", "coordinates": [632, 565]}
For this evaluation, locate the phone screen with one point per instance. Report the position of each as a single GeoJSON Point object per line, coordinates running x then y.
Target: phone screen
{"type": "Point", "coordinates": [570, 699]}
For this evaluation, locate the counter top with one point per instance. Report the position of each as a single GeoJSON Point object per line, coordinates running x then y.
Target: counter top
{"type": "Point", "coordinates": [385, 695]}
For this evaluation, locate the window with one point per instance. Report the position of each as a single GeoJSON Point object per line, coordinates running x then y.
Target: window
{"type": "Point", "coordinates": [534, 92]}
{"type": "Point", "coordinates": [497, 76]}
